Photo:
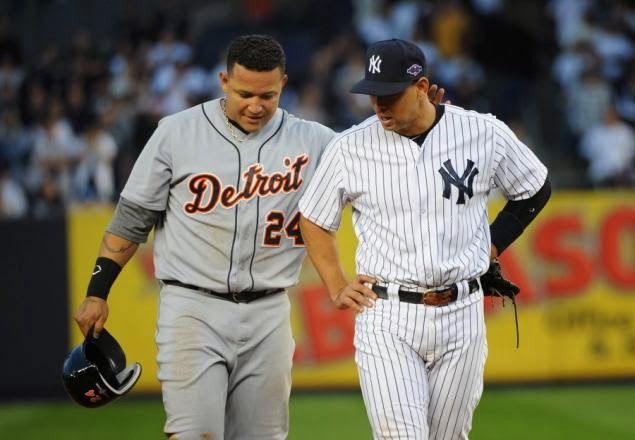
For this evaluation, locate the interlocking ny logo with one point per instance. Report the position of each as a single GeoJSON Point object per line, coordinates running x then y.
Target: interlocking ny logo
{"type": "Point", "coordinates": [375, 64]}
{"type": "Point", "coordinates": [450, 177]}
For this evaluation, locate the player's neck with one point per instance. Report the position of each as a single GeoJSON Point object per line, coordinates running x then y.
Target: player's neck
{"type": "Point", "coordinates": [240, 135]}
{"type": "Point", "coordinates": [423, 122]}
{"type": "Point", "coordinates": [237, 125]}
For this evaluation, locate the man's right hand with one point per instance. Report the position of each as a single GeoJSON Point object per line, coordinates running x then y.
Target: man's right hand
{"type": "Point", "coordinates": [93, 310]}
{"type": "Point", "coordinates": [355, 295]}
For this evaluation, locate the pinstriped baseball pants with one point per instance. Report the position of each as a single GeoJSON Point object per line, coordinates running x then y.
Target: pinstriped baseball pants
{"type": "Point", "coordinates": [421, 367]}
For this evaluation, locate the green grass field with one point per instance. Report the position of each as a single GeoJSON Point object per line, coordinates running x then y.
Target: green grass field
{"type": "Point", "coordinates": [580, 413]}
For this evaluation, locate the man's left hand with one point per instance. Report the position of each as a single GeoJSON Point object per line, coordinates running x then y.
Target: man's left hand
{"type": "Point", "coordinates": [494, 284]}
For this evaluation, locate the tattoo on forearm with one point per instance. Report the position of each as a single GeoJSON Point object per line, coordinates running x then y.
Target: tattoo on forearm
{"type": "Point", "coordinates": [121, 250]}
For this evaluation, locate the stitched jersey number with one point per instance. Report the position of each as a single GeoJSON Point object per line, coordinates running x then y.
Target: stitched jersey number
{"type": "Point", "coordinates": [293, 230]}
{"type": "Point", "coordinates": [275, 225]}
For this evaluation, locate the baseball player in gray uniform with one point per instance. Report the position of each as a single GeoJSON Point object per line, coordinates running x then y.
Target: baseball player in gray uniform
{"type": "Point", "coordinates": [418, 177]}
{"type": "Point", "coordinates": [220, 183]}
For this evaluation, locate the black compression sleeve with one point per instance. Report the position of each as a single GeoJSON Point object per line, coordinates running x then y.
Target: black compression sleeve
{"type": "Point", "coordinates": [516, 215]}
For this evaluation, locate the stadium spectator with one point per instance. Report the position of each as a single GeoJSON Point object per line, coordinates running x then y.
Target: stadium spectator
{"type": "Point", "coordinates": [572, 62]}
{"type": "Point", "coordinates": [94, 178]}
{"type": "Point", "coordinates": [609, 147]}
{"type": "Point", "coordinates": [55, 154]}
{"type": "Point", "coordinates": [309, 104]}
{"type": "Point", "coordinates": [11, 77]}
{"type": "Point", "coordinates": [13, 200]}
{"type": "Point", "coordinates": [625, 101]}
{"type": "Point", "coordinates": [16, 142]}
{"type": "Point", "coordinates": [587, 102]}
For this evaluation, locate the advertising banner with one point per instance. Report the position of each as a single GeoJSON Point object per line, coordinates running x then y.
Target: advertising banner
{"type": "Point", "coordinates": [575, 265]}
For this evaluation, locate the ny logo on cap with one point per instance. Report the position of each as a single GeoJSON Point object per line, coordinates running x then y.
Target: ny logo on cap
{"type": "Point", "coordinates": [375, 64]}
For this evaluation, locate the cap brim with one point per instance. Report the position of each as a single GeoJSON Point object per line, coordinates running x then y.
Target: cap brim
{"type": "Point", "coordinates": [379, 88]}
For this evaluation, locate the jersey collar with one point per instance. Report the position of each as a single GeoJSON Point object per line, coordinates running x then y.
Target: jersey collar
{"type": "Point", "coordinates": [218, 118]}
{"type": "Point", "coordinates": [421, 137]}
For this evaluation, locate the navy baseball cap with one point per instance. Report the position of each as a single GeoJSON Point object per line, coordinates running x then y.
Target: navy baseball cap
{"type": "Point", "coordinates": [391, 66]}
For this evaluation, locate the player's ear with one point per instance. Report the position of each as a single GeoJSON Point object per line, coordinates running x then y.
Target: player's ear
{"type": "Point", "coordinates": [423, 87]}
{"type": "Point", "coordinates": [285, 78]}
{"type": "Point", "coordinates": [423, 84]}
{"type": "Point", "coordinates": [224, 81]}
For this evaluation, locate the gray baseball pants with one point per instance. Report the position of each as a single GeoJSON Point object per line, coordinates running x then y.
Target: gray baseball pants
{"type": "Point", "coordinates": [224, 368]}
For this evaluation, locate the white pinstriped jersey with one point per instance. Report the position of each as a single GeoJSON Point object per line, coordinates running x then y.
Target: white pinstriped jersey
{"type": "Point", "coordinates": [420, 213]}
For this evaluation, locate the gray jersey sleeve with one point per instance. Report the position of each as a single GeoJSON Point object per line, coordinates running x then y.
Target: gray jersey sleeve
{"type": "Point", "coordinates": [133, 222]}
{"type": "Point", "coordinates": [325, 197]}
{"type": "Point", "coordinates": [149, 181]}
{"type": "Point", "coordinates": [519, 174]}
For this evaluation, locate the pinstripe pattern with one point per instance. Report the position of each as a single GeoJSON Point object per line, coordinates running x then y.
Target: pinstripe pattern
{"type": "Point", "coordinates": [420, 215]}
{"type": "Point", "coordinates": [408, 233]}
{"type": "Point", "coordinates": [421, 368]}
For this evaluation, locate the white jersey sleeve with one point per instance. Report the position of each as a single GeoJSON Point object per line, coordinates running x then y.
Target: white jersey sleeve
{"type": "Point", "coordinates": [325, 197]}
{"type": "Point", "coordinates": [149, 181]}
{"type": "Point", "coordinates": [519, 174]}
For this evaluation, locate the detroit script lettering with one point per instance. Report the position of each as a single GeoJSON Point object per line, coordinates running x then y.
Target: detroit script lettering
{"type": "Point", "coordinates": [208, 190]}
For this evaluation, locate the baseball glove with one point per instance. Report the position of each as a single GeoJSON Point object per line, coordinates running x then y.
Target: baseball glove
{"type": "Point", "coordinates": [494, 284]}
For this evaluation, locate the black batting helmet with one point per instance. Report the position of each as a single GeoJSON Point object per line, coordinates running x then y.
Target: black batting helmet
{"type": "Point", "coordinates": [95, 372]}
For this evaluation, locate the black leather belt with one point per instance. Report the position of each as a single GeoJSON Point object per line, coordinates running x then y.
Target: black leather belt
{"type": "Point", "coordinates": [430, 298]}
{"type": "Point", "coordinates": [235, 297]}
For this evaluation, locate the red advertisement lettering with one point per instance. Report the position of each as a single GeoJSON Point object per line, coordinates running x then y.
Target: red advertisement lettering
{"type": "Point", "coordinates": [617, 248]}
{"type": "Point", "coordinates": [575, 267]}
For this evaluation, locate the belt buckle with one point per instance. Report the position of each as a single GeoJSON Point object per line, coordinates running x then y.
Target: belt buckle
{"type": "Point", "coordinates": [437, 297]}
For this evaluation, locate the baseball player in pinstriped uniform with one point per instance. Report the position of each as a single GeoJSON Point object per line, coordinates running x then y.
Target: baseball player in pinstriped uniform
{"type": "Point", "coordinates": [418, 177]}
{"type": "Point", "coordinates": [220, 183]}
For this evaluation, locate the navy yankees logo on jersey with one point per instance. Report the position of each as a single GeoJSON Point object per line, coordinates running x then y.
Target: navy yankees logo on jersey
{"type": "Point", "coordinates": [463, 182]}
{"type": "Point", "coordinates": [208, 189]}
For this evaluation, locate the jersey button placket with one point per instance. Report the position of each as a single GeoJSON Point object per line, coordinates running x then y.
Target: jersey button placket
{"type": "Point", "coordinates": [418, 216]}
{"type": "Point", "coordinates": [246, 225]}
{"type": "Point", "coordinates": [236, 281]}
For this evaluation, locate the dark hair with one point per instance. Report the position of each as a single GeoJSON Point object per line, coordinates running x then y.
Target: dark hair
{"type": "Point", "coordinates": [261, 53]}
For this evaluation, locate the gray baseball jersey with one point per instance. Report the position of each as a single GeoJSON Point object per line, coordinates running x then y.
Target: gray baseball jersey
{"type": "Point", "coordinates": [230, 225]}
{"type": "Point", "coordinates": [420, 214]}
{"type": "Point", "coordinates": [231, 221]}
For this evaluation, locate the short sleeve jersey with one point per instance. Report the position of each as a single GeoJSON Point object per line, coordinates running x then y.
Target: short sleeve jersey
{"type": "Point", "coordinates": [231, 218]}
{"type": "Point", "coordinates": [420, 212]}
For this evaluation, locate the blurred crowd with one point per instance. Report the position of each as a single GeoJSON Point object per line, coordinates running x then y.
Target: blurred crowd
{"type": "Point", "coordinates": [74, 117]}
{"type": "Point", "coordinates": [595, 70]}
